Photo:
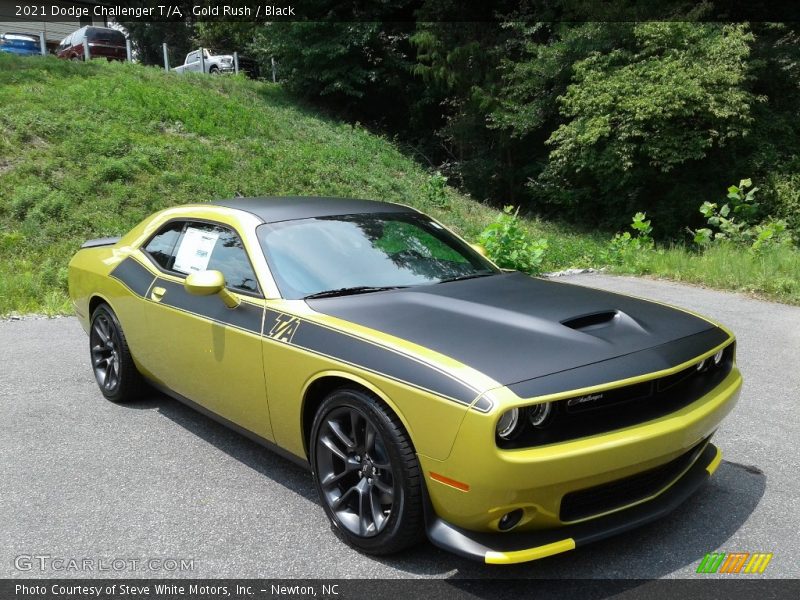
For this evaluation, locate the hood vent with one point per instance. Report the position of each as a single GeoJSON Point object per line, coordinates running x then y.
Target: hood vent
{"type": "Point", "coordinates": [591, 321]}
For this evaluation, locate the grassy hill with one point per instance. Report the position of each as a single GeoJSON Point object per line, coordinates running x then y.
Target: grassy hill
{"type": "Point", "coordinates": [88, 150]}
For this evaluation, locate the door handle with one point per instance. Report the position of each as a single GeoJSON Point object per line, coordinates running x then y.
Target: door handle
{"type": "Point", "coordinates": [157, 293]}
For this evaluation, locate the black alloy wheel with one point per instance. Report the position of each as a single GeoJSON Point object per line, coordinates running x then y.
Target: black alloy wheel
{"type": "Point", "coordinates": [366, 473]}
{"type": "Point", "coordinates": [113, 366]}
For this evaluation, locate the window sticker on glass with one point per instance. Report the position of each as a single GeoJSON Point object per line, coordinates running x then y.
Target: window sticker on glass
{"type": "Point", "coordinates": [195, 251]}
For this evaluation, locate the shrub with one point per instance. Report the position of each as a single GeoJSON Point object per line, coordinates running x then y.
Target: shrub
{"type": "Point", "coordinates": [435, 190]}
{"type": "Point", "coordinates": [623, 247]}
{"type": "Point", "coordinates": [733, 222]}
{"type": "Point", "coordinates": [510, 246]}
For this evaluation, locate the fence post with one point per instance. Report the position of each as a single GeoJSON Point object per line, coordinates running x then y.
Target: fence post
{"type": "Point", "coordinates": [202, 61]}
{"type": "Point", "coordinates": [166, 56]}
{"type": "Point", "coordinates": [236, 62]}
{"type": "Point", "coordinates": [42, 43]}
{"type": "Point", "coordinates": [86, 54]}
{"type": "Point", "coordinates": [128, 48]}
{"type": "Point", "coordinates": [274, 72]}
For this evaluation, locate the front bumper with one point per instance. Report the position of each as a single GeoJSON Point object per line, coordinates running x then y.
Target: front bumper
{"type": "Point", "coordinates": [523, 546]}
{"type": "Point", "coordinates": [490, 482]}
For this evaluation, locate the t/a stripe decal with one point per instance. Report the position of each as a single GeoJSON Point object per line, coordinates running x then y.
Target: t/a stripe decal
{"type": "Point", "coordinates": [292, 330]}
{"type": "Point", "coordinates": [378, 359]}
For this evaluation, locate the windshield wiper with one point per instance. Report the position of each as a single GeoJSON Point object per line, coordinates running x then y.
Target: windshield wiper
{"type": "Point", "coordinates": [467, 276]}
{"type": "Point", "coordinates": [349, 291]}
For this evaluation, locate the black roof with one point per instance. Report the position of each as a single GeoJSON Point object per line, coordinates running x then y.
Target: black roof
{"type": "Point", "coordinates": [274, 209]}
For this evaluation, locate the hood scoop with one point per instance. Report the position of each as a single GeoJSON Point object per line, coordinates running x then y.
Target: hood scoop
{"type": "Point", "coordinates": [591, 321]}
{"type": "Point", "coordinates": [606, 324]}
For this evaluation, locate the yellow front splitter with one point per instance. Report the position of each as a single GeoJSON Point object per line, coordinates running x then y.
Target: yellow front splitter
{"type": "Point", "coordinates": [524, 546]}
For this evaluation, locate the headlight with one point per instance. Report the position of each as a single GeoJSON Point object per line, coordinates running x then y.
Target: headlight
{"type": "Point", "coordinates": [539, 414]}
{"type": "Point", "coordinates": [507, 424]}
{"type": "Point", "coordinates": [718, 357]}
{"type": "Point", "coordinates": [701, 365]}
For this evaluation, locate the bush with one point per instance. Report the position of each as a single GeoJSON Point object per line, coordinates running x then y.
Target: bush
{"type": "Point", "coordinates": [509, 245]}
{"type": "Point", "coordinates": [625, 247]}
{"type": "Point", "coordinates": [435, 190]}
{"type": "Point", "coordinates": [734, 222]}
{"type": "Point", "coordinates": [787, 201]}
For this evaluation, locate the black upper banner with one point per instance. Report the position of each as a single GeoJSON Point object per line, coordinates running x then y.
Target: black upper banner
{"type": "Point", "coordinates": [402, 10]}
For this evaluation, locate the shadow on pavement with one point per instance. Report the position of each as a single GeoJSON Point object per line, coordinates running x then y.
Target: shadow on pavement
{"type": "Point", "coordinates": [703, 524]}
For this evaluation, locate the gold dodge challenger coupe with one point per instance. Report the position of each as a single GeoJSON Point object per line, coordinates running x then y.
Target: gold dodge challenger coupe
{"type": "Point", "coordinates": [508, 417]}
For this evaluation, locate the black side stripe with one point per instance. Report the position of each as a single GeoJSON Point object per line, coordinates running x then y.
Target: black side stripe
{"type": "Point", "coordinates": [246, 316]}
{"type": "Point", "coordinates": [383, 361]}
{"type": "Point", "coordinates": [134, 275]}
{"type": "Point", "coordinates": [289, 329]}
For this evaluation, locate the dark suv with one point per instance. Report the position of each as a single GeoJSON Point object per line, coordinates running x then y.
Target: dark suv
{"type": "Point", "coordinates": [103, 43]}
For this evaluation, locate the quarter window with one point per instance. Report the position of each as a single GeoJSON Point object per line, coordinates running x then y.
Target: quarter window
{"type": "Point", "coordinates": [161, 247]}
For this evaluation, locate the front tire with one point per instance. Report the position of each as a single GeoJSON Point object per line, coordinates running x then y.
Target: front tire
{"type": "Point", "coordinates": [114, 370]}
{"type": "Point", "coordinates": [366, 473]}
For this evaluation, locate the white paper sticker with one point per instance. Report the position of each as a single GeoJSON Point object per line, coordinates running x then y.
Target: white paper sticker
{"type": "Point", "coordinates": [195, 250]}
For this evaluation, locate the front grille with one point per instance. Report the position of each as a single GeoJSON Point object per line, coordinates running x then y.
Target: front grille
{"type": "Point", "coordinates": [608, 410]}
{"type": "Point", "coordinates": [622, 492]}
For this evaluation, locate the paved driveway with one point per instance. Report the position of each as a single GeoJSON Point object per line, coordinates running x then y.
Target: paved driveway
{"type": "Point", "coordinates": [84, 478]}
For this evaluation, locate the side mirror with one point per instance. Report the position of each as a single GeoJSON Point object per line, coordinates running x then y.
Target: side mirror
{"type": "Point", "coordinates": [479, 249]}
{"type": "Point", "coordinates": [208, 283]}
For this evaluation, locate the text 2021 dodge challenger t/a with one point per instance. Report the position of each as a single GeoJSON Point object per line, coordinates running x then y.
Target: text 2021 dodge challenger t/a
{"type": "Point", "coordinates": [508, 417]}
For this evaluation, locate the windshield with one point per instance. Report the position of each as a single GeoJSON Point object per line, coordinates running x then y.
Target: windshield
{"type": "Point", "coordinates": [20, 40]}
{"type": "Point", "coordinates": [364, 253]}
{"type": "Point", "coordinates": [102, 34]}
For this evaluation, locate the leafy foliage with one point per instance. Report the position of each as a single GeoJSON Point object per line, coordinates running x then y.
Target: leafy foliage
{"type": "Point", "coordinates": [435, 190]}
{"type": "Point", "coordinates": [585, 122]}
{"type": "Point", "coordinates": [734, 221]}
{"type": "Point", "coordinates": [510, 246]}
{"type": "Point", "coordinates": [626, 247]}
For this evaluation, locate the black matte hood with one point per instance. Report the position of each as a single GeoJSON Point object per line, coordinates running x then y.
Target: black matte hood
{"type": "Point", "coordinates": [513, 327]}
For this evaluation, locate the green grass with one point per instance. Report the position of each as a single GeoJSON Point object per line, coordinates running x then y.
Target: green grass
{"type": "Point", "coordinates": [772, 274]}
{"type": "Point", "coordinates": [88, 150]}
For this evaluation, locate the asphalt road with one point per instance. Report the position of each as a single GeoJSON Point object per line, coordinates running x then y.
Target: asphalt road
{"type": "Point", "coordinates": [81, 477]}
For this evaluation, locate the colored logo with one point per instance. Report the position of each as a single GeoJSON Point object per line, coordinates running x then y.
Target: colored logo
{"type": "Point", "coordinates": [284, 328]}
{"type": "Point", "coordinates": [734, 563]}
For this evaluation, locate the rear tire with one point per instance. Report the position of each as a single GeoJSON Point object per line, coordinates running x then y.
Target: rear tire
{"type": "Point", "coordinates": [366, 473]}
{"type": "Point", "coordinates": [114, 370]}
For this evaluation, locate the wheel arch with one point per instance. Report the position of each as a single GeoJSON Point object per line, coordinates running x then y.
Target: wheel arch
{"type": "Point", "coordinates": [96, 300]}
{"type": "Point", "coordinates": [320, 385]}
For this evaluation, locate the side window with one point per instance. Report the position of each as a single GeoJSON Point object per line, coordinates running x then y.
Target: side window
{"type": "Point", "coordinates": [161, 247]}
{"type": "Point", "coordinates": [203, 246]}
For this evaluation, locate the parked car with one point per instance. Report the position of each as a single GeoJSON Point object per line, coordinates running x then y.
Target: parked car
{"type": "Point", "coordinates": [21, 44]}
{"type": "Point", "coordinates": [428, 391]}
{"type": "Point", "coordinates": [103, 42]}
{"type": "Point", "coordinates": [212, 63]}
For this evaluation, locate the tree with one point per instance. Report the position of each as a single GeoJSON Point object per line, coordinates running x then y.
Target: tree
{"type": "Point", "coordinates": [664, 96]}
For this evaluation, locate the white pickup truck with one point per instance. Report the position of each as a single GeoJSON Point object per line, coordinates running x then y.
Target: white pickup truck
{"type": "Point", "coordinates": [207, 62]}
